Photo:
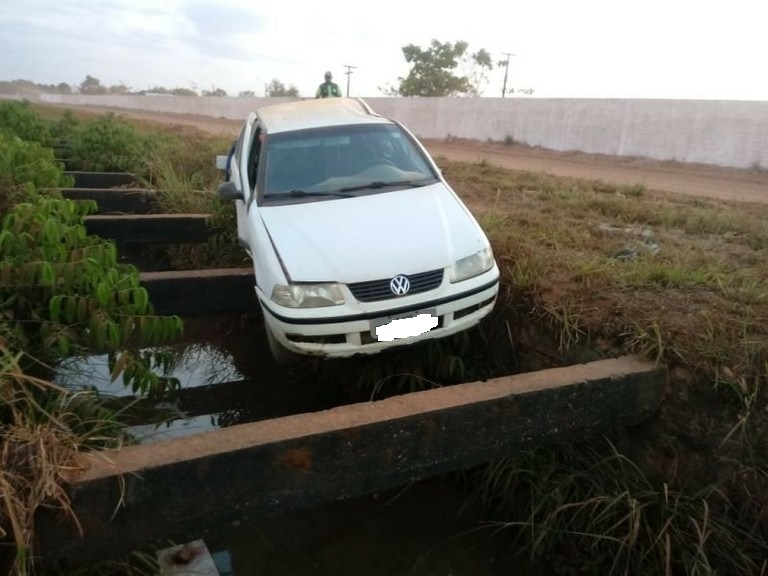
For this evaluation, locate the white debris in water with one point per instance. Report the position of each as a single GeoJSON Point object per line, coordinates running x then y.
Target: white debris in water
{"type": "Point", "coordinates": [188, 559]}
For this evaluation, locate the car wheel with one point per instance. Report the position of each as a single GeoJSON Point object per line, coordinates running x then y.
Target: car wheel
{"type": "Point", "coordinates": [280, 353]}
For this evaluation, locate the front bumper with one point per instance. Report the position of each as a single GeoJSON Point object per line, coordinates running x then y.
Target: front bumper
{"type": "Point", "coordinates": [320, 332]}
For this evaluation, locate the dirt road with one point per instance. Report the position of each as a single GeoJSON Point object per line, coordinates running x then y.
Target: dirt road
{"type": "Point", "coordinates": [711, 181]}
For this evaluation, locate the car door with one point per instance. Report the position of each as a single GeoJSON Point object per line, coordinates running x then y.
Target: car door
{"type": "Point", "coordinates": [239, 176]}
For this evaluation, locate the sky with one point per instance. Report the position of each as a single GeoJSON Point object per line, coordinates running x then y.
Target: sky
{"type": "Point", "coordinates": [704, 49]}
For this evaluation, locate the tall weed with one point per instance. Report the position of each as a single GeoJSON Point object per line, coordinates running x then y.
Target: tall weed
{"type": "Point", "coordinates": [586, 508]}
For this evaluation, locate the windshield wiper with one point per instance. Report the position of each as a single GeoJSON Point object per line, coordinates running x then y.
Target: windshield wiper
{"type": "Point", "coordinates": [304, 194]}
{"type": "Point", "coordinates": [381, 184]}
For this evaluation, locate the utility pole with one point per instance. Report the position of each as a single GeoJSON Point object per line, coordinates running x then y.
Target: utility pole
{"type": "Point", "coordinates": [348, 73]}
{"type": "Point", "coordinates": [506, 72]}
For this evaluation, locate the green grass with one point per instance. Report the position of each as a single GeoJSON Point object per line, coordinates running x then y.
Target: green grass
{"type": "Point", "coordinates": [587, 509]}
{"type": "Point", "coordinates": [677, 279]}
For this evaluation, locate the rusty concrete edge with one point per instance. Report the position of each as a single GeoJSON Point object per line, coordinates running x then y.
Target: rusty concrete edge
{"type": "Point", "coordinates": [105, 191]}
{"type": "Point", "coordinates": [179, 488]}
{"type": "Point", "coordinates": [206, 273]}
{"type": "Point", "coordinates": [151, 228]}
{"type": "Point", "coordinates": [118, 218]}
{"type": "Point", "coordinates": [131, 459]}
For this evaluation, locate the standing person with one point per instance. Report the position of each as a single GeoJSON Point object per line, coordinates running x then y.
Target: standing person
{"type": "Point", "coordinates": [328, 88]}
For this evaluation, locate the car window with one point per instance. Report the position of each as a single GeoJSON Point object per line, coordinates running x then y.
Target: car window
{"type": "Point", "coordinates": [317, 164]}
{"type": "Point", "coordinates": [253, 157]}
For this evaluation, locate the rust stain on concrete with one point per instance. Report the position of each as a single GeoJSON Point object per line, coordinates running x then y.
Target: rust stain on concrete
{"type": "Point", "coordinates": [297, 460]}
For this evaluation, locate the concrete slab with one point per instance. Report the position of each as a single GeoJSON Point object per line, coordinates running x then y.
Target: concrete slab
{"type": "Point", "coordinates": [150, 228]}
{"type": "Point", "coordinates": [201, 292]}
{"type": "Point", "coordinates": [101, 179]}
{"type": "Point", "coordinates": [115, 200]}
{"type": "Point", "coordinates": [128, 499]}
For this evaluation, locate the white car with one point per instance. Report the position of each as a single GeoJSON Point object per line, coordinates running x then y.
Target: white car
{"type": "Point", "coordinates": [357, 241]}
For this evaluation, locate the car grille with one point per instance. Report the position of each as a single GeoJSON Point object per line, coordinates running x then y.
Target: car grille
{"type": "Point", "coordinates": [379, 289]}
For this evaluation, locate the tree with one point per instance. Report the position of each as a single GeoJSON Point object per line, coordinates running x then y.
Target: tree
{"type": "Point", "coordinates": [182, 92]}
{"type": "Point", "coordinates": [247, 94]}
{"type": "Point", "coordinates": [18, 119]}
{"type": "Point", "coordinates": [119, 89]}
{"type": "Point", "coordinates": [276, 89]}
{"type": "Point", "coordinates": [155, 90]}
{"type": "Point", "coordinates": [477, 66]}
{"type": "Point", "coordinates": [432, 71]}
{"type": "Point", "coordinates": [215, 92]}
{"type": "Point", "coordinates": [92, 85]}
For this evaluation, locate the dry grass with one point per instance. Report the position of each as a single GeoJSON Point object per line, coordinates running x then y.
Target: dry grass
{"type": "Point", "coordinates": [590, 510]}
{"type": "Point", "coordinates": [676, 277]}
{"type": "Point", "coordinates": [42, 429]}
{"type": "Point", "coordinates": [33, 455]}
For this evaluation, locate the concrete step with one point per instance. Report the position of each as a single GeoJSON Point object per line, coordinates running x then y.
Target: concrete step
{"type": "Point", "coordinates": [115, 200]}
{"type": "Point", "coordinates": [101, 179]}
{"type": "Point", "coordinates": [150, 228]}
{"type": "Point", "coordinates": [178, 488]}
{"type": "Point", "coordinates": [201, 292]}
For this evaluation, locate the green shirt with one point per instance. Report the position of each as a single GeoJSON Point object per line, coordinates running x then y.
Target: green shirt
{"type": "Point", "coordinates": [327, 89]}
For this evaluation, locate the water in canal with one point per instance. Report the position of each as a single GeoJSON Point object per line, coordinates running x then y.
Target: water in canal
{"type": "Point", "coordinates": [228, 377]}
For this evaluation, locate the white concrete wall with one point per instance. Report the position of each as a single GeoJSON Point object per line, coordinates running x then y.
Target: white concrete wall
{"type": "Point", "coordinates": [723, 133]}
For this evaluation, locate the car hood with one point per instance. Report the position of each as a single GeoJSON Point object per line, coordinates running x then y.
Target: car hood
{"type": "Point", "coordinates": [373, 236]}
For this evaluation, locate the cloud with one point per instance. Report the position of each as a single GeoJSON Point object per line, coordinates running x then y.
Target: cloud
{"type": "Point", "coordinates": [563, 49]}
{"type": "Point", "coordinates": [222, 30]}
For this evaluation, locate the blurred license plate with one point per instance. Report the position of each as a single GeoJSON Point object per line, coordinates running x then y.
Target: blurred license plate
{"type": "Point", "coordinates": [378, 322]}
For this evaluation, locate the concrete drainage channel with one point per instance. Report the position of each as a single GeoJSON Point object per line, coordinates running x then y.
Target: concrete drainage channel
{"type": "Point", "coordinates": [174, 490]}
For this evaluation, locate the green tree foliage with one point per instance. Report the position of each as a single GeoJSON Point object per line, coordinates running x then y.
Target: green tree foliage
{"type": "Point", "coordinates": [108, 143]}
{"type": "Point", "coordinates": [215, 92]}
{"type": "Point", "coordinates": [23, 165]}
{"type": "Point", "coordinates": [20, 87]}
{"type": "Point", "coordinates": [433, 70]}
{"type": "Point", "coordinates": [182, 92]}
{"type": "Point", "coordinates": [92, 85]}
{"type": "Point", "coordinates": [67, 293]}
{"type": "Point", "coordinates": [477, 66]}
{"type": "Point", "coordinates": [62, 291]}
{"type": "Point", "coordinates": [173, 91]}
{"type": "Point", "coordinates": [119, 89]}
{"type": "Point", "coordinates": [19, 119]}
{"type": "Point", "coordinates": [65, 127]}
{"type": "Point", "coordinates": [277, 89]}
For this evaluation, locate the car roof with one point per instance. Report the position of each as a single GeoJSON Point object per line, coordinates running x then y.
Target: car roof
{"type": "Point", "coordinates": [317, 113]}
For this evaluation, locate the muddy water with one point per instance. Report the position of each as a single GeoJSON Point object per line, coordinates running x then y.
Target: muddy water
{"type": "Point", "coordinates": [228, 377]}
{"type": "Point", "coordinates": [418, 530]}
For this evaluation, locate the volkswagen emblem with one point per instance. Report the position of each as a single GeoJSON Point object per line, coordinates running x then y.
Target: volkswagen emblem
{"type": "Point", "coordinates": [400, 285]}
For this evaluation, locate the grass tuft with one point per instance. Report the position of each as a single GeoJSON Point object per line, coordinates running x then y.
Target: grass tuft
{"type": "Point", "coordinates": [591, 510]}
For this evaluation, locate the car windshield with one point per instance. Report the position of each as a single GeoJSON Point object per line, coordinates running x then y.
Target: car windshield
{"type": "Point", "coordinates": [340, 162]}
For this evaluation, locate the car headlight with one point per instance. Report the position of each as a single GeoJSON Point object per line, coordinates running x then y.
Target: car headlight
{"type": "Point", "coordinates": [307, 295]}
{"type": "Point", "coordinates": [472, 265]}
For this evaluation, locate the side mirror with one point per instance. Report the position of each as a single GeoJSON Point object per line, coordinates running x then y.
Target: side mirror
{"type": "Point", "coordinates": [228, 191]}
{"type": "Point", "coordinates": [221, 161]}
